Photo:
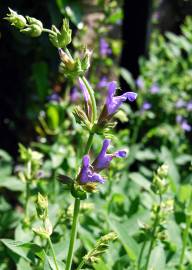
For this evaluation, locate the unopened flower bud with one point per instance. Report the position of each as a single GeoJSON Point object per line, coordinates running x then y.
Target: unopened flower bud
{"type": "Point", "coordinates": [66, 60]}
{"type": "Point", "coordinates": [60, 39]}
{"type": "Point", "coordinates": [34, 27]}
{"type": "Point", "coordinates": [159, 185]}
{"type": "Point", "coordinates": [42, 206]}
{"type": "Point", "coordinates": [46, 231]}
{"type": "Point", "coordinates": [162, 171]}
{"type": "Point", "coordinates": [15, 19]}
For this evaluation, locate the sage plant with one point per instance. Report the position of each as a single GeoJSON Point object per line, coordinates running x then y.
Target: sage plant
{"type": "Point", "coordinates": [89, 175]}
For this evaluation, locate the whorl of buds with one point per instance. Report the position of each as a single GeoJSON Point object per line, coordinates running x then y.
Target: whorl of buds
{"type": "Point", "coordinates": [60, 39]}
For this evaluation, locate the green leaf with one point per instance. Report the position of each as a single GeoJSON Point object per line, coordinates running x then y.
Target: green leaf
{"type": "Point", "coordinates": [129, 244]}
{"type": "Point", "coordinates": [23, 249]}
{"type": "Point", "coordinates": [12, 183]}
{"type": "Point", "coordinates": [157, 259]}
{"type": "Point", "coordinates": [140, 180]}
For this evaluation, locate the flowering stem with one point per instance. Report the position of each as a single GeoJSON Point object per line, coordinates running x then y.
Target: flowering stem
{"type": "Point", "coordinates": [155, 225]}
{"type": "Point", "coordinates": [75, 216]}
{"type": "Point", "coordinates": [186, 233]}
{"type": "Point", "coordinates": [48, 31]}
{"type": "Point", "coordinates": [73, 234]}
{"type": "Point", "coordinates": [53, 253]}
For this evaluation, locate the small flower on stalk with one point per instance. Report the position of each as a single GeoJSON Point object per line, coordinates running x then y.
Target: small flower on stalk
{"type": "Point", "coordinates": [74, 94]}
{"type": "Point", "coordinates": [103, 159]}
{"type": "Point", "coordinates": [113, 103]}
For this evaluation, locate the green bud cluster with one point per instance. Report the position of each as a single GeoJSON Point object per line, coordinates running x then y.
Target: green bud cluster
{"type": "Point", "coordinates": [46, 231]}
{"type": "Point", "coordinates": [27, 25]}
{"type": "Point", "coordinates": [60, 39]}
{"type": "Point", "coordinates": [34, 27]}
{"type": "Point", "coordinates": [73, 68]}
{"type": "Point", "coordinates": [160, 184]}
{"type": "Point", "coordinates": [15, 19]}
{"type": "Point", "coordinates": [42, 206]}
{"type": "Point", "coordinates": [101, 246]}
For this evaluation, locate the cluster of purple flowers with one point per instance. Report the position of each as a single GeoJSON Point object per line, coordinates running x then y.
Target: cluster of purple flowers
{"type": "Point", "coordinates": [90, 172]}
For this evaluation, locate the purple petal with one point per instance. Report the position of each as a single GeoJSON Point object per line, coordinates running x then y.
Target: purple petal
{"type": "Point", "coordinates": [121, 154]}
{"type": "Point", "coordinates": [189, 106]}
{"type": "Point", "coordinates": [140, 83]}
{"type": "Point", "coordinates": [97, 178]}
{"type": "Point", "coordinates": [103, 82]}
{"type": "Point", "coordinates": [131, 96]}
{"type": "Point", "coordinates": [84, 91]}
{"type": "Point", "coordinates": [146, 106]}
{"type": "Point", "coordinates": [180, 103]}
{"type": "Point", "coordinates": [179, 119]}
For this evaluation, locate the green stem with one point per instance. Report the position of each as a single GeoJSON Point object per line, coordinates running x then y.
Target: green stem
{"type": "Point", "coordinates": [53, 253]}
{"type": "Point", "coordinates": [81, 264]}
{"type": "Point", "coordinates": [185, 234]}
{"type": "Point", "coordinates": [48, 31]}
{"type": "Point", "coordinates": [141, 254]}
{"type": "Point", "coordinates": [155, 225]}
{"type": "Point", "coordinates": [89, 143]}
{"type": "Point", "coordinates": [73, 234]}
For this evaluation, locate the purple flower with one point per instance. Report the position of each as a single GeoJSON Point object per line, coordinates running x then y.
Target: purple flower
{"type": "Point", "coordinates": [74, 94]}
{"type": "Point", "coordinates": [90, 173]}
{"type": "Point", "coordinates": [104, 47]}
{"type": "Point", "coordinates": [113, 103]}
{"type": "Point", "coordinates": [183, 123]}
{"type": "Point", "coordinates": [154, 89]}
{"type": "Point", "coordinates": [146, 106]}
{"type": "Point", "coordinates": [140, 83]}
{"type": "Point", "coordinates": [103, 159]}
{"type": "Point", "coordinates": [180, 103]}
{"type": "Point", "coordinates": [185, 126]}
{"type": "Point", "coordinates": [87, 174]}
{"type": "Point", "coordinates": [103, 82]}
{"type": "Point", "coordinates": [54, 97]}
{"type": "Point", "coordinates": [179, 119]}
{"type": "Point", "coordinates": [189, 106]}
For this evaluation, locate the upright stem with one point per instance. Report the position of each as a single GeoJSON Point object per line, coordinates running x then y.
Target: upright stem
{"type": "Point", "coordinates": [75, 216]}
{"type": "Point", "coordinates": [155, 225]}
{"type": "Point", "coordinates": [53, 253]}
{"type": "Point", "coordinates": [185, 234]}
{"type": "Point", "coordinates": [73, 234]}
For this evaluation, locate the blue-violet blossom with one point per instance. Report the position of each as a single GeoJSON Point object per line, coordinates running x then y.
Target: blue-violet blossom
{"type": "Point", "coordinates": [113, 103]}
